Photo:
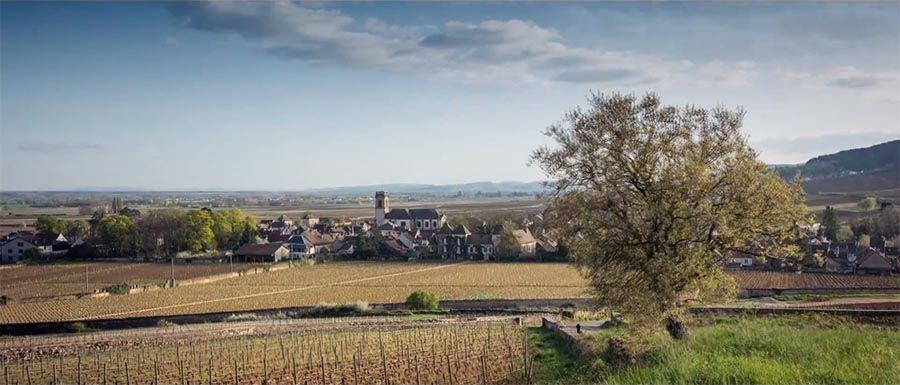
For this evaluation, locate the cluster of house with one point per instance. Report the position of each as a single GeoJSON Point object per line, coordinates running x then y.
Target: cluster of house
{"type": "Point", "coordinates": [13, 246]}
{"type": "Point", "coordinates": [835, 257]}
{"type": "Point", "coordinates": [414, 233]}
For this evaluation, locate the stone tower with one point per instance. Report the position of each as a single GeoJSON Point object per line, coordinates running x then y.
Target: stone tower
{"type": "Point", "coordinates": [382, 206]}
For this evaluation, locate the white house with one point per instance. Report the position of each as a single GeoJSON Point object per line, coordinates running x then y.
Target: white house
{"type": "Point", "coordinates": [14, 248]}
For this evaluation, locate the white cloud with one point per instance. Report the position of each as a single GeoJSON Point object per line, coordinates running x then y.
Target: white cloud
{"type": "Point", "coordinates": [500, 51]}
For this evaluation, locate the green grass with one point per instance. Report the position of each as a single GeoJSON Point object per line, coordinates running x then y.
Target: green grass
{"type": "Point", "coordinates": [760, 351]}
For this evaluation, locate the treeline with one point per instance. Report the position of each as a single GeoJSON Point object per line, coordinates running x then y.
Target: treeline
{"type": "Point", "coordinates": [156, 233]}
{"type": "Point", "coordinates": [883, 223]}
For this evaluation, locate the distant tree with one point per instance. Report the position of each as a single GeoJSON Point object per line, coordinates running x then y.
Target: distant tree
{"type": "Point", "coordinates": [863, 240]}
{"type": "Point", "coordinates": [199, 235]}
{"type": "Point", "coordinates": [130, 212]}
{"type": "Point", "coordinates": [115, 231]}
{"type": "Point", "coordinates": [50, 224]}
{"type": "Point", "coordinates": [161, 232]}
{"type": "Point", "coordinates": [829, 222]}
{"type": "Point", "coordinates": [651, 199]}
{"type": "Point", "coordinates": [232, 228]}
{"type": "Point", "coordinates": [844, 234]}
{"type": "Point", "coordinates": [868, 204]}
{"type": "Point", "coordinates": [369, 247]}
{"type": "Point", "coordinates": [77, 230]}
{"type": "Point", "coordinates": [508, 249]}
{"type": "Point", "coordinates": [32, 253]}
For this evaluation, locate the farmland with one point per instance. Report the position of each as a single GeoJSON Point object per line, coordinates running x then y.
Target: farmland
{"type": "Point", "coordinates": [46, 282]}
{"type": "Point", "coordinates": [366, 352]}
{"type": "Point", "coordinates": [374, 282]}
{"type": "Point", "coordinates": [764, 280]}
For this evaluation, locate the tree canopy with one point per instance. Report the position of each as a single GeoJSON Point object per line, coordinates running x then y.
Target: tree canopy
{"type": "Point", "coordinates": [651, 200]}
{"type": "Point", "coordinates": [50, 224]}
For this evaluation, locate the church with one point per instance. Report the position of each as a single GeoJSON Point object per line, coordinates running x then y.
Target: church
{"type": "Point", "coordinates": [411, 219]}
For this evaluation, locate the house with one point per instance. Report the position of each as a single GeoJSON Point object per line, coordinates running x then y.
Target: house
{"type": "Point", "coordinates": [527, 243]}
{"type": "Point", "coordinates": [480, 246]}
{"type": "Point", "coordinates": [394, 248]}
{"type": "Point", "coordinates": [344, 246]}
{"type": "Point", "coordinates": [452, 240]}
{"type": "Point", "coordinates": [838, 265]}
{"type": "Point", "coordinates": [14, 249]}
{"type": "Point", "coordinates": [739, 259]}
{"type": "Point", "coordinates": [873, 262]}
{"type": "Point", "coordinates": [316, 242]}
{"type": "Point", "coordinates": [308, 221]}
{"type": "Point", "coordinates": [48, 243]}
{"type": "Point", "coordinates": [263, 252]}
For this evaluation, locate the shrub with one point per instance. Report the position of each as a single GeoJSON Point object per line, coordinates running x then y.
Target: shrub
{"type": "Point", "coordinates": [163, 323]}
{"type": "Point", "coordinates": [619, 352]}
{"type": "Point", "coordinates": [676, 328]}
{"type": "Point", "coordinates": [4, 299]}
{"type": "Point", "coordinates": [422, 300]}
{"type": "Point", "coordinates": [78, 327]}
{"type": "Point", "coordinates": [340, 309]}
{"type": "Point", "coordinates": [117, 289]}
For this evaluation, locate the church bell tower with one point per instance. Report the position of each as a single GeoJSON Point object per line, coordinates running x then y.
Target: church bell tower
{"type": "Point", "coordinates": [382, 206]}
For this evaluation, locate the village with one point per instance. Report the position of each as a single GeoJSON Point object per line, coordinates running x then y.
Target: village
{"type": "Point", "coordinates": [427, 234]}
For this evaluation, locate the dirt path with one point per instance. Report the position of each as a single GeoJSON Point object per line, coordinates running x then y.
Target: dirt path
{"type": "Point", "coordinates": [255, 295]}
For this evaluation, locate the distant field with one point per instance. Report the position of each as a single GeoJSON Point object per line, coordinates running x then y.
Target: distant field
{"type": "Point", "coordinates": [373, 282]}
{"type": "Point", "coordinates": [12, 218]}
{"type": "Point", "coordinates": [777, 280]}
{"type": "Point", "coordinates": [43, 282]}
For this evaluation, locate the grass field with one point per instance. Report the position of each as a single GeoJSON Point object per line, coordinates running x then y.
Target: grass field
{"type": "Point", "coordinates": [373, 282]}
{"type": "Point", "coordinates": [743, 351]}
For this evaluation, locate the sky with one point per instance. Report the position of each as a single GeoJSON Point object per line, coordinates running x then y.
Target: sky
{"type": "Point", "coordinates": [288, 96]}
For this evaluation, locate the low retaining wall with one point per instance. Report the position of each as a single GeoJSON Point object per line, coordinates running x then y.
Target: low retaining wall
{"type": "Point", "coordinates": [583, 348]}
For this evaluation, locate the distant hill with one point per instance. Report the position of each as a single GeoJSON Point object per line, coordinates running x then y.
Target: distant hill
{"type": "Point", "coordinates": [860, 169]}
{"type": "Point", "coordinates": [442, 189]}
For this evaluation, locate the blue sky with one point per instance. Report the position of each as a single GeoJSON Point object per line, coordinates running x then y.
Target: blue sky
{"type": "Point", "coordinates": [289, 96]}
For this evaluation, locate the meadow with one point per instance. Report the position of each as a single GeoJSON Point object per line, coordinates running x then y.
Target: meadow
{"type": "Point", "coordinates": [373, 282]}
{"type": "Point", "coordinates": [779, 350]}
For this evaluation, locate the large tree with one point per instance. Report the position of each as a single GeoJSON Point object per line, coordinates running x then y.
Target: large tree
{"type": "Point", "coordinates": [50, 224]}
{"type": "Point", "coordinates": [115, 231]}
{"type": "Point", "coordinates": [651, 200]}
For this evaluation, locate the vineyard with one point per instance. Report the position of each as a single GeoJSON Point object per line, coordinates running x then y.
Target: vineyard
{"type": "Point", "coordinates": [373, 282]}
{"type": "Point", "coordinates": [487, 352]}
{"type": "Point", "coordinates": [340, 282]}
{"type": "Point", "coordinates": [763, 280]}
{"type": "Point", "coordinates": [48, 282]}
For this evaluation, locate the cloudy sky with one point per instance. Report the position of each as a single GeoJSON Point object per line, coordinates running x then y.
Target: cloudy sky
{"type": "Point", "coordinates": [285, 96]}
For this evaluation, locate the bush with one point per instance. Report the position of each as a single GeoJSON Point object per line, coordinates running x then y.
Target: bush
{"type": "Point", "coordinates": [117, 289]}
{"type": "Point", "coordinates": [340, 309]}
{"type": "Point", "coordinates": [422, 300]}
{"type": "Point", "coordinates": [619, 352]}
{"type": "Point", "coordinates": [165, 323]}
{"type": "Point", "coordinates": [676, 328]}
{"type": "Point", "coordinates": [78, 327]}
{"type": "Point", "coordinates": [4, 299]}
